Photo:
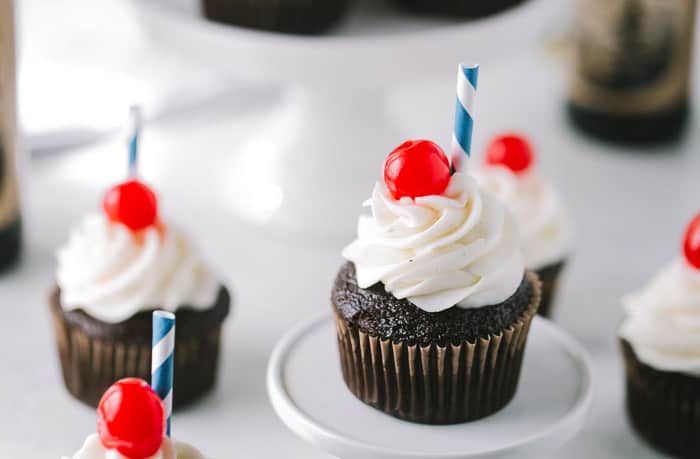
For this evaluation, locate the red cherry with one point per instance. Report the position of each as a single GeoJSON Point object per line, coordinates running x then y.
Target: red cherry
{"type": "Point", "coordinates": [691, 242]}
{"type": "Point", "coordinates": [416, 168]}
{"type": "Point", "coordinates": [512, 151]}
{"type": "Point", "coordinates": [131, 419]}
{"type": "Point", "coordinates": [131, 203]}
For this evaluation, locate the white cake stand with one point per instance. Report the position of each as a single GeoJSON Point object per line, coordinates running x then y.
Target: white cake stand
{"type": "Point", "coordinates": [332, 133]}
{"type": "Point", "coordinates": [307, 391]}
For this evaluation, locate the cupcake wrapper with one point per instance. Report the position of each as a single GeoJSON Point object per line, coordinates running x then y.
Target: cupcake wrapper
{"type": "Point", "coordinates": [291, 16]}
{"type": "Point", "coordinates": [663, 407]}
{"type": "Point", "coordinates": [549, 276]}
{"type": "Point", "coordinates": [462, 8]}
{"type": "Point", "coordinates": [435, 384]}
{"type": "Point", "coordinates": [92, 360]}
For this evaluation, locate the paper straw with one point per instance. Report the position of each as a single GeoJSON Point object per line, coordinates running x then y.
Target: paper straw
{"type": "Point", "coordinates": [464, 116]}
{"type": "Point", "coordinates": [162, 355]}
{"type": "Point", "coordinates": [135, 123]}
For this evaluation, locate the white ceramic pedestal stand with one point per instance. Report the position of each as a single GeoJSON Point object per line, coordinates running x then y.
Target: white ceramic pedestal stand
{"type": "Point", "coordinates": [307, 391]}
{"type": "Point", "coordinates": [333, 132]}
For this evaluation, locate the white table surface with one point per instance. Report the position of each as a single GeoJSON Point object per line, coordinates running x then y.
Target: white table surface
{"type": "Point", "coordinates": [629, 207]}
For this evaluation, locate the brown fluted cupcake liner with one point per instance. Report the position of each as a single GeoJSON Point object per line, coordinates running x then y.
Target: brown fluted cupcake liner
{"type": "Point", "coordinates": [95, 354]}
{"type": "Point", "coordinates": [436, 384]}
{"type": "Point", "coordinates": [549, 276]}
{"type": "Point", "coordinates": [663, 407]}
{"type": "Point", "coordinates": [290, 16]}
{"type": "Point", "coordinates": [460, 8]}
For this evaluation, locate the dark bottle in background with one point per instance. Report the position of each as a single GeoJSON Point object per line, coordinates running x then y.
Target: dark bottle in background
{"type": "Point", "coordinates": [10, 226]}
{"type": "Point", "coordinates": [632, 62]}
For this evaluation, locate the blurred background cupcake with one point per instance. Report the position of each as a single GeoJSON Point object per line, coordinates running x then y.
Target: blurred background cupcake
{"type": "Point", "coordinates": [660, 340]}
{"type": "Point", "coordinates": [509, 171]}
{"type": "Point", "coordinates": [118, 266]}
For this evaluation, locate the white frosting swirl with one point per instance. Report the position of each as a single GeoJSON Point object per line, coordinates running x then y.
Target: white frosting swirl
{"type": "Point", "coordinates": [663, 320]}
{"type": "Point", "coordinates": [460, 248]}
{"type": "Point", "coordinates": [545, 230]}
{"type": "Point", "coordinates": [93, 449]}
{"type": "Point", "coordinates": [112, 273]}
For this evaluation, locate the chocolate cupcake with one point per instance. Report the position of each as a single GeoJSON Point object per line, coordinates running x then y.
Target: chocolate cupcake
{"type": "Point", "coordinates": [289, 16]}
{"type": "Point", "coordinates": [434, 307]}
{"type": "Point", "coordinates": [120, 265]}
{"type": "Point", "coordinates": [460, 8]}
{"type": "Point", "coordinates": [660, 341]}
{"type": "Point", "coordinates": [545, 229]}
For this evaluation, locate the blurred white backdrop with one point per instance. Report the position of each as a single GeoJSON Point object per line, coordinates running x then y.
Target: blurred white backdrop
{"type": "Point", "coordinates": [629, 207]}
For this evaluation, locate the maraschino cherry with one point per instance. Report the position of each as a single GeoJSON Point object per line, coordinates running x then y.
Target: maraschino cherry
{"type": "Point", "coordinates": [512, 151]}
{"type": "Point", "coordinates": [131, 203]}
{"type": "Point", "coordinates": [416, 168]}
{"type": "Point", "coordinates": [131, 419]}
{"type": "Point", "coordinates": [691, 243]}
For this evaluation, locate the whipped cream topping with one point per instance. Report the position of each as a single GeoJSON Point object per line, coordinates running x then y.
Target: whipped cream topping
{"type": "Point", "coordinates": [459, 248]}
{"type": "Point", "coordinates": [663, 320]}
{"type": "Point", "coordinates": [93, 449]}
{"type": "Point", "coordinates": [545, 231]}
{"type": "Point", "coordinates": [112, 273]}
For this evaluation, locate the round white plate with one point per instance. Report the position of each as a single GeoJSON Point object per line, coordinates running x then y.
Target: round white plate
{"type": "Point", "coordinates": [307, 391]}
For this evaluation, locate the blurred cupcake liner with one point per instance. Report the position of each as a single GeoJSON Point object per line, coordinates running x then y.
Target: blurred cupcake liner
{"type": "Point", "coordinates": [95, 354]}
{"type": "Point", "coordinates": [549, 276]}
{"type": "Point", "coordinates": [290, 16]}
{"type": "Point", "coordinates": [436, 384]}
{"type": "Point", "coordinates": [663, 407]}
{"type": "Point", "coordinates": [463, 8]}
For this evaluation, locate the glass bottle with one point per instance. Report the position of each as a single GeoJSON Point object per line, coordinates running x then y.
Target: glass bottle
{"type": "Point", "coordinates": [10, 221]}
{"type": "Point", "coordinates": [632, 65]}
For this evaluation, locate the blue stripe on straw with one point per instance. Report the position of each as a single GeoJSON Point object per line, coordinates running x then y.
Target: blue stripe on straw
{"type": "Point", "coordinates": [161, 327]}
{"type": "Point", "coordinates": [471, 73]}
{"type": "Point", "coordinates": [133, 152]}
{"type": "Point", "coordinates": [162, 382]}
{"type": "Point", "coordinates": [162, 375]}
{"type": "Point", "coordinates": [464, 125]}
{"type": "Point", "coordinates": [136, 120]}
{"type": "Point", "coordinates": [163, 378]}
{"type": "Point", "coordinates": [464, 122]}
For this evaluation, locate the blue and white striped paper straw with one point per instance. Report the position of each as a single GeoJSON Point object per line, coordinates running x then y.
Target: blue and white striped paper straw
{"type": "Point", "coordinates": [162, 360]}
{"type": "Point", "coordinates": [464, 116]}
{"type": "Point", "coordinates": [134, 134]}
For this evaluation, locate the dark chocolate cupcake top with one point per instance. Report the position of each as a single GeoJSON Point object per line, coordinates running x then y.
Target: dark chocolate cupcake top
{"type": "Point", "coordinates": [379, 313]}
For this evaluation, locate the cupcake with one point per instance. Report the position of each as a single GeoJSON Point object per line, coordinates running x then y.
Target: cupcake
{"type": "Point", "coordinates": [546, 235]}
{"type": "Point", "coordinates": [289, 16]}
{"type": "Point", "coordinates": [660, 340]}
{"type": "Point", "coordinates": [433, 305]}
{"type": "Point", "coordinates": [118, 266]}
{"type": "Point", "coordinates": [131, 425]}
{"type": "Point", "coordinates": [460, 8]}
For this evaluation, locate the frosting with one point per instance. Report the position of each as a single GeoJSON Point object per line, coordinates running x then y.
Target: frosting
{"type": "Point", "coordinates": [663, 320]}
{"type": "Point", "coordinates": [544, 228]}
{"type": "Point", "coordinates": [112, 273]}
{"type": "Point", "coordinates": [459, 248]}
{"type": "Point", "coordinates": [93, 449]}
